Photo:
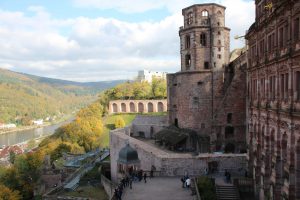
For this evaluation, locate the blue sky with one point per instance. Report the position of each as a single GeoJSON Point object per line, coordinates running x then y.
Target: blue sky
{"type": "Point", "coordinates": [94, 40]}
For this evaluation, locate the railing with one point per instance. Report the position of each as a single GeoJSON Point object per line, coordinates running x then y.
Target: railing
{"type": "Point", "coordinates": [198, 197]}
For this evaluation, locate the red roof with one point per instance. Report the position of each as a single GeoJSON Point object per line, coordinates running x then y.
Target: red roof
{"type": "Point", "coordinates": [5, 152]}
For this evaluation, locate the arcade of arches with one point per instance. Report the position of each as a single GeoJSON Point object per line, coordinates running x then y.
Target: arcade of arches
{"type": "Point", "coordinates": [137, 106]}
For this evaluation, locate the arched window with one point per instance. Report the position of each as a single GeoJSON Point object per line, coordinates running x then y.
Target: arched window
{"type": "Point", "coordinates": [150, 107]}
{"type": "Point", "coordinates": [204, 13]}
{"type": "Point", "coordinates": [190, 18]}
{"type": "Point", "coordinates": [123, 107]}
{"type": "Point", "coordinates": [188, 61]}
{"type": "Point", "coordinates": [187, 42]}
{"type": "Point", "coordinates": [115, 108]}
{"type": "Point", "coordinates": [160, 107]}
{"type": "Point", "coordinates": [140, 107]}
{"type": "Point", "coordinates": [132, 107]}
{"type": "Point", "coordinates": [203, 39]}
{"type": "Point", "coordinates": [229, 118]}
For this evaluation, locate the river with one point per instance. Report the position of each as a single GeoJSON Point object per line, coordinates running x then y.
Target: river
{"type": "Point", "coordinates": [25, 135]}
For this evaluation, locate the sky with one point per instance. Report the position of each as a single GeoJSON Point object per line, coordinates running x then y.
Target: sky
{"type": "Point", "coordinates": [98, 40]}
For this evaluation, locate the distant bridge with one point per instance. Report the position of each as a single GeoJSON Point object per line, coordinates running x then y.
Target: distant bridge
{"type": "Point", "coordinates": [137, 106]}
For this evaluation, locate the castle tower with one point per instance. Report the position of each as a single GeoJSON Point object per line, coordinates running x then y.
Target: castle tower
{"type": "Point", "coordinates": [204, 39]}
{"type": "Point", "coordinates": [197, 96]}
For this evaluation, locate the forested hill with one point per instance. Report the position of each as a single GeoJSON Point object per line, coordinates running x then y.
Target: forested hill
{"type": "Point", "coordinates": [32, 97]}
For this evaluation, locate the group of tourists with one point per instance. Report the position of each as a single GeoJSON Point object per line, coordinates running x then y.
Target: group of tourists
{"type": "Point", "coordinates": [186, 181]}
{"type": "Point", "coordinates": [127, 182]}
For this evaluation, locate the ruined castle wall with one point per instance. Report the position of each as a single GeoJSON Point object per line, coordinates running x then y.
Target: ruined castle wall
{"type": "Point", "coordinates": [171, 164]}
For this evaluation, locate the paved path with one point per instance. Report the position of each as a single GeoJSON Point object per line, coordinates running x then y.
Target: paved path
{"type": "Point", "coordinates": [158, 188]}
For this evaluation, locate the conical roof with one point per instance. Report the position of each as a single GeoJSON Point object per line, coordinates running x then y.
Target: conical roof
{"type": "Point", "coordinates": [128, 155]}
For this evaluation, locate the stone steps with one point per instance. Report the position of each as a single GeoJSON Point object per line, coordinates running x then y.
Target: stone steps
{"type": "Point", "coordinates": [227, 192]}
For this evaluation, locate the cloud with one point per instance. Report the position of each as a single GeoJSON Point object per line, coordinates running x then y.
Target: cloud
{"type": "Point", "coordinates": [94, 49]}
{"type": "Point", "coordinates": [135, 6]}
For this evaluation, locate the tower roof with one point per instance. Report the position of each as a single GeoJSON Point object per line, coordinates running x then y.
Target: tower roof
{"type": "Point", "coordinates": [128, 155]}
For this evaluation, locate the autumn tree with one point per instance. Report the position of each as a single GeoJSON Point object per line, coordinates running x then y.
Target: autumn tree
{"type": "Point", "coordinates": [8, 194]}
{"type": "Point", "coordinates": [119, 123]}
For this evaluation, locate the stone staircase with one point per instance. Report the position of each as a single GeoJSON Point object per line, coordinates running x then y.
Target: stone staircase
{"type": "Point", "coordinates": [227, 192]}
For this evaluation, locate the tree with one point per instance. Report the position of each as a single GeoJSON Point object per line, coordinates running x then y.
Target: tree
{"type": "Point", "coordinates": [8, 194]}
{"type": "Point", "coordinates": [159, 88]}
{"type": "Point", "coordinates": [119, 123]}
{"type": "Point", "coordinates": [12, 157]}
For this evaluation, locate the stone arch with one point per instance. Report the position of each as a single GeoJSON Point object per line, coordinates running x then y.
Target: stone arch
{"type": "Point", "coordinates": [150, 107]}
{"type": "Point", "coordinates": [115, 107]}
{"type": "Point", "coordinates": [229, 148]}
{"type": "Point", "coordinates": [140, 107]}
{"type": "Point", "coordinates": [204, 13]}
{"type": "Point", "coordinates": [123, 107]}
{"type": "Point", "coordinates": [132, 107]}
{"type": "Point", "coordinates": [160, 107]}
{"type": "Point", "coordinates": [219, 13]}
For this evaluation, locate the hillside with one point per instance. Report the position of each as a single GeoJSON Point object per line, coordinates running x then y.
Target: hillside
{"type": "Point", "coordinates": [33, 97]}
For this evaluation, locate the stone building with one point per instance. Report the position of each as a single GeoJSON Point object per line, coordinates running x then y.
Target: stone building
{"type": "Point", "coordinates": [146, 75]}
{"type": "Point", "coordinates": [208, 95]}
{"type": "Point", "coordinates": [274, 99]}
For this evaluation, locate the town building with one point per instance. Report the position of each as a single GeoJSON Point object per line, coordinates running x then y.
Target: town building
{"type": "Point", "coordinates": [274, 99]}
{"type": "Point", "coordinates": [208, 95]}
{"type": "Point", "coordinates": [146, 75]}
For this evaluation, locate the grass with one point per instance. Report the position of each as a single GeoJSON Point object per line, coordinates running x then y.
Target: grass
{"type": "Point", "coordinates": [109, 123]}
{"type": "Point", "coordinates": [96, 193]}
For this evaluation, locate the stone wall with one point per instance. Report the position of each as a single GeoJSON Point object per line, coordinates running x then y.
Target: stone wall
{"type": "Point", "coordinates": [137, 106]}
{"type": "Point", "coordinates": [171, 164]}
{"type": "Point", "coordinates": [148, 126]}
{"type": "Point", "coordinates": [108, 186]}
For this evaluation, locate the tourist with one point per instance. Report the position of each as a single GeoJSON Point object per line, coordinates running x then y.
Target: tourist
{"type": "Point", "coordinates": [151, 173]}
{"type": "Point", "coordinates": [145, 177]}
{"type": "Point", "coordinates": [206, 172]}
{"type": "Point", "coordinates": [130, 183]}
{"type": "Point", "coordinates": [188, 182]}
{"type": "Point", "coordinates": [183, 181]}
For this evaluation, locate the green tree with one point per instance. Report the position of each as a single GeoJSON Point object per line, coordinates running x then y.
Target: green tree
{"type": "Point", "coordinates": [159, 88]}
{"type": "Point", "coordinates": [12, 157]}
{"type": "Point", "coordinates": [119, 123]}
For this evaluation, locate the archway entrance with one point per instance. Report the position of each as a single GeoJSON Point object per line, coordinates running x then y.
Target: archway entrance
{"type": "Point", "coordinates": [150, 107]}
{"type": "Point", "coordinates": [160, 107]}
{"type": "Point", "coordinates": [115, 108]}
{"type": "Point", "coordinates": [132, 107]}
{"type": "Point", "coordinates": [141, 107]}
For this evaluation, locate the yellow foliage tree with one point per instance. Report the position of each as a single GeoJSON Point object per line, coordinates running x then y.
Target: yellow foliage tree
{"type": "Point", "coordinates": [8, 194]}
{"type": "Point", "coordinates": [119, 123]}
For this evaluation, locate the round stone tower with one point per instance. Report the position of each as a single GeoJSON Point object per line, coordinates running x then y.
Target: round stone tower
{"type": "Point", "coordinates": [204, 39]}
{"type": "Point", "coordinates": [196, 92]}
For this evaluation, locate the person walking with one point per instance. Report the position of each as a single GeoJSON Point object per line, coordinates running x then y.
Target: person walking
{"type": "Point", "coordinates": [130, 183]}
{"type": "Point", "coordinates": [188, 182]}
{"type": "Point", "coordinates": [145, 177]}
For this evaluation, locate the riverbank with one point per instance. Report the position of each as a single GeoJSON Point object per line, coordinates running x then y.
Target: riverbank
{"type": "Point", "coordinates": [24, 128]}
